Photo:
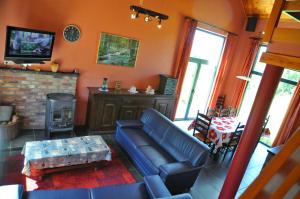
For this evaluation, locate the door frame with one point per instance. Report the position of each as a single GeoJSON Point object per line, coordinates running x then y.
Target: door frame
{"type": "Point", "coordinates": [199, 62]}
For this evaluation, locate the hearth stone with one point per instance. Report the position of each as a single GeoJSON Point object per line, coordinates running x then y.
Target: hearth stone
{"type": "Point", "coordinates": [60, 111]}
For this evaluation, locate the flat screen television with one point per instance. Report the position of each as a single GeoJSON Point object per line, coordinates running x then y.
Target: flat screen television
{"type": "Point", "coordinates": [27, 45]}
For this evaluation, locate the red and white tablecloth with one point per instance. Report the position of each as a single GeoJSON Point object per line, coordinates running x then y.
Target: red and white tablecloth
{"type": "Point", "coordinates": [221, 129]}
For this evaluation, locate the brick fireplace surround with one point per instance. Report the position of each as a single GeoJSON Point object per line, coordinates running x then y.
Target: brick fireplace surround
{"type": "Point", "coordinates": [27, 90]}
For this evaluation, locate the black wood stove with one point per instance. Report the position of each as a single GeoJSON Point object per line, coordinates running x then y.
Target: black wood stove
{"type": "Point", "coordinates": [60, 111]}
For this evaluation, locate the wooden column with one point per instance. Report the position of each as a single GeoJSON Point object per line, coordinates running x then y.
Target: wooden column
{"type": "Point", "coordinates": [252, 132]}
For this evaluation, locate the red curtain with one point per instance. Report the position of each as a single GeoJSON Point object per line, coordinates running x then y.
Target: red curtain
{"type": "Point", "coordinates": [291, 120]}
{"type": "Point", "coordinates": [224, 65]}
{"type": "Point", "coordinates": [184, 51]}
{"type": "Point", "coordinates": [245, 71]}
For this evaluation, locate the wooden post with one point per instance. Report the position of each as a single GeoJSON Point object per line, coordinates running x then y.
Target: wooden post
{"type": "Point", "coordinates": [252, 132]}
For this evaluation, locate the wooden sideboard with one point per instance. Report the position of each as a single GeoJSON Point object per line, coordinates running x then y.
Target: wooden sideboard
{"type": "Point", "coordinates": [104, 108]}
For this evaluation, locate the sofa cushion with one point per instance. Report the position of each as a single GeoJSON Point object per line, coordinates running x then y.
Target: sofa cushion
{"type": "Point", "coordinates": [130, 191]}
{"type": "Point", "coordinates": [180, 196]}
{"type": "Point", "coordinates": [129, 123]}
{"type": "Point", "coordinates": [136, 136]}
{"type": "Point", "coordinates": [155, 124]}
{"type": "Point", "coordinates": [156, 187]}
{"type": "Point", "coordinates": [184, 147]}
{"type": "Point", "coordinates": [59, 194]}
{"type": "Point", "coordinates": [156, 155]}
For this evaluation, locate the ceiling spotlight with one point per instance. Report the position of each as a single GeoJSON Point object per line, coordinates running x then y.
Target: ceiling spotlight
{"type": "Point", "coordinates": [159, 26]}
{"type": "Point", "coordinates": [147, 18]}
{"type": "Point", "coordinates": [149, 15]}
{"type": "Point", "coordinates": [134, 15]}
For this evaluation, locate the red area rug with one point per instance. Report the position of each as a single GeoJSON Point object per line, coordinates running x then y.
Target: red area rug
{"type": "Point", "coordinates": [114, 172]}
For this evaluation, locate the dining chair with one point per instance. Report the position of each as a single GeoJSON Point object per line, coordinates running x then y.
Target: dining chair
{"type": "Point", "coordinates": [234, 141]}
{"type": "Point", "coordinates": [201, 127]}
{"type": "Point", "coordinates": [220, 102]}
{"type": "Point", "coordinates": [265, 123]}
{"type": "Point", "coordinates": [211, 112]}
{"type": "Point", "coordinates": [224, 112]}
{"type": "Point", "coordinates": [232, 112]}
{"type": "Point", "coordinates": [264, 128]}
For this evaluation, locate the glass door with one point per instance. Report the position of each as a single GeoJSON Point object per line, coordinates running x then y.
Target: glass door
{"type": "Point", "coordinates": [188, 89]}
{"type": "Point", "coordinates": [200, 74]}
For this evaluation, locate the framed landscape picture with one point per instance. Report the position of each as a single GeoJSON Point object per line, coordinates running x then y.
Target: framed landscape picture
{"type": "Point", "coordinates": [117, 50]}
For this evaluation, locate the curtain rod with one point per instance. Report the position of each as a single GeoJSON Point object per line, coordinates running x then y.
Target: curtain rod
{"type": "Point", "coordinates": [213, 26]}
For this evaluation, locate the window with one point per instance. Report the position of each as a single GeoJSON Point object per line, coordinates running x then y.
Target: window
{"type": "Point", "coordinates": [281, 99]}
{"type": "Point", "coordinates": [200, 76]}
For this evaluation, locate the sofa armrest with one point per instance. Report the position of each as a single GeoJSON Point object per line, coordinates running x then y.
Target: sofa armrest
{"type": "Point", "coordinates": [156, 187]}
{"type": "Point", "coordinates": [179, 176]}
{"type": "Point", "coordinates": [12, 191]}
{"type": "Point", "coordinates": [179, 196]}
{"type": "Point", "coordinates": [129, 123]}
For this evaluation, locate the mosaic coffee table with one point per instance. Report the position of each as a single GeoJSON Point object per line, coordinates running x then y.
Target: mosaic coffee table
{"type": "Point", "coordinates": [48, 156]}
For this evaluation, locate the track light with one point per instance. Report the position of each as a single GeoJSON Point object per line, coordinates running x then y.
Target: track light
{"type": "Point", "coordinates": [149, 15]}
{"type": "Point", "coordinates": [134, 15]}
{"type": "Point", "coordinates": [148, 18]}
{"type": "Point", "coordinates": [159, 26]}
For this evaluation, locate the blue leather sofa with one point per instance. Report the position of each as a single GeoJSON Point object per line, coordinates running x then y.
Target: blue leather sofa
{"type": "Point", "coordinates": [158, 147]}
{"type": "Point", "coordinates": [152, 187]}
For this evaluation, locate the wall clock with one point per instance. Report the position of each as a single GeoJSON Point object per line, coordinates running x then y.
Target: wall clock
{"type": "Point", "coordinates": [71, 33]}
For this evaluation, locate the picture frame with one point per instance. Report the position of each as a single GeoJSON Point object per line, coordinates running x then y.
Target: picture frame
{"type": "Point", "coordinates": [117, 50]}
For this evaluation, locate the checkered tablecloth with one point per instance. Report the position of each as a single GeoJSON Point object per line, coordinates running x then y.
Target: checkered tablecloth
{"type": "Point", "coordinates": [64, 152]}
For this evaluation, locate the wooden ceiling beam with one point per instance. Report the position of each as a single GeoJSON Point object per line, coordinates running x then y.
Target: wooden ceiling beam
{"type": "Point", "coordinates": [281, 60]}
{"type": "Point", "coordinates": [273, 20]}
{"type": "Point", "coordinates": [288, 35]}
{"type": "Point", "coordinates": [292, 6]}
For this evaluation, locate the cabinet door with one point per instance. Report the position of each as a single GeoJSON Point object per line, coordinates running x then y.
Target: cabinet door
{"type": "Point", "coordinates": [136, 105]}
{"type": "Point", "coordinates": [128, 112]}
{"type": "Point", "coordinates": [109, 114]}
{"type": "Point", "coordinates": [94, 113]}
{"type": "Point", "coordinates": [165, 106]}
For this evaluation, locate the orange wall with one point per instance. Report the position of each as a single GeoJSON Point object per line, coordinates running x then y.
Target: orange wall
{"type": "Point", "coordinates": [157, 49]}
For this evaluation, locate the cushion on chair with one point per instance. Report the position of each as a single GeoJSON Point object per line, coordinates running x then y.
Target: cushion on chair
{"type": "Point", "coordinates": [202, 138]}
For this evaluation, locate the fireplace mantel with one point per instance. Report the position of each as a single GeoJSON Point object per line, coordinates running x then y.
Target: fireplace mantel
{"type": "Point", "coordinates": [26, 90]}
{"type": "Point", "coordinates": [39, 72]}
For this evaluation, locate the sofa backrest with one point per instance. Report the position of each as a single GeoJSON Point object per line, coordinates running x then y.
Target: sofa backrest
{"type": "Point", "coordinates": [184, 147]}
{"type": "Point", "coordinates": [155, 124]}
{"type": "Point", "coordinates": [180, 145]}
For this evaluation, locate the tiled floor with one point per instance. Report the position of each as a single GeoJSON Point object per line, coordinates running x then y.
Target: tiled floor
{"type": "Point", "coordinates": [211, 178]}
{"type": "Point", "coordinates": [207, 185]}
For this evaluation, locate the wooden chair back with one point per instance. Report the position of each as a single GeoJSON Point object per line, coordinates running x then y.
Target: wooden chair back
{"type": "Point", "coordinates": [211, 112]}
{"type": "Point", "coordinates": [232, 112]}
{"type": "Point", "coordinates": [234, 140]}
{"type": "Point", "coordinates": [220, 102]}
{"type": "Point", "coordinates": [225, 112]}
{"type": "Point", "coordinates": [265, 123]}
{"type": "Point", "coordinates": [202, 124]}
